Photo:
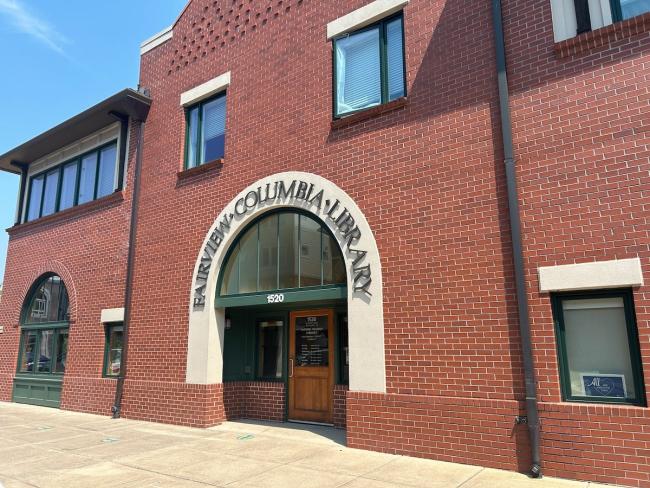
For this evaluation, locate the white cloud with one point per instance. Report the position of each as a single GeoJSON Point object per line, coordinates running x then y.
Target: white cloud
{"type": "Point", "coordinates": [30, 24]}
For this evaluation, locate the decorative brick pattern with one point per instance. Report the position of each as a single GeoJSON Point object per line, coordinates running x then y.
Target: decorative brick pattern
{"type": "Point", "coordinates": [254, 400]}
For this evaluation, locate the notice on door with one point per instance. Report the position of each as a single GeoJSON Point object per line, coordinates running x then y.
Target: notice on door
{"type": "Point", "coordinates": [311, 341]}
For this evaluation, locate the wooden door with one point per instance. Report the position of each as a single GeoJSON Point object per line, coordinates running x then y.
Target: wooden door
{"type": "Point", "coordinates": [311, 365]}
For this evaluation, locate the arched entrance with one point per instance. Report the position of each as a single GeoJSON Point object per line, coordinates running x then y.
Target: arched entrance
{"type": "Point", "coordinates": [328, 204]}
{"type": "Point", "coordinates": [44, 325]}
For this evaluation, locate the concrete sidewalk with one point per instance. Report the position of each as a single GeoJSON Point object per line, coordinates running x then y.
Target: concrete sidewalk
{"type": "Point", "coordinates": [51, 448]}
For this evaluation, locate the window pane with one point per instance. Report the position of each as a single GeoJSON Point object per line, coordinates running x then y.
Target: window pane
{"type": "Point", "coordinates": [269, 253]}
{"type": "Point", "coordinates": [61, 351]}
{"type": "Point", "coordinates": [289, 250]}
{"type": "Point", "coordinates": [597, 344]}
{"type": "Point", "coordinates": [230, 282]}
{"type": "Point", "coordinates": [87, 179]}
{"type": "Point", "coordinates": [51, 189]}
{"type": "Point", "coordinates": [310, 252]}
{"type": "Point", "coordinates": [358, 71]}
{"type": "Point", "coordinates": [395, 59]}
{"type": "Point", "coordinates": [632, 8]}
{"type": "Point", "coordinates": [213, 129]}
{"type": "Point", "coordinates": [107, 163]}
{"type": "Point", "coordinates": [333, 264]}
{"type": "Point", "coordinates": [114, 358]}
{"type": "Point", "coordinates": [35, 195]}
{"type": "Point", "coordinates": [27, 354]}
{"type": "Point", "coordinates": [248, 261]}
{"type": "Point", "coordinates": [49, 303]}
{"type": "Point", "coordinates": [270, 350]}
{"type": "Point", "coordinates": [46, 347]}
{"type": "Point", "coordinates": [193, 136]}
{"type": "Point", "coordinates": [68, 184]}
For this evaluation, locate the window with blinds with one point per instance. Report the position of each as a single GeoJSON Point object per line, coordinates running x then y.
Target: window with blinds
{"type": "Point", "coordinates": [369, 66]}
{"type": "Point", "coordinates": [206, 132]}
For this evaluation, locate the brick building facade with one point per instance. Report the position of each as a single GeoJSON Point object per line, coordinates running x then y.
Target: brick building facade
{"type": "Point", "coordinates": [251, 127]}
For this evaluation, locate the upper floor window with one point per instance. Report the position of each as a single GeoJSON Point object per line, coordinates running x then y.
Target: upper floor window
{"type": "Point", "coordinates": [206, 131]}
{"type": "Point", "coordinates": [369, 66]}
{"type": "Point", "coordinates": [90, 176]}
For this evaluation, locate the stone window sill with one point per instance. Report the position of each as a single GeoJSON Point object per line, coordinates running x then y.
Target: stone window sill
{"type": "Point", "coordinates": [603, 37]}
{"type": "Point", "coordinates": [369, 113]}
{"type": "Point", "coordinates": [101, 203]}
{"type": "Point", "coordinates": [205, 168]}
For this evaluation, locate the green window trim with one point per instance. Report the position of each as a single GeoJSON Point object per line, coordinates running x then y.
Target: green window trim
{"type": "Point", "coordinates": [58, 330]}
{"type": "Point", "coordinates": [633, 344]}
{"type": "Point", "coordinates": [108, 364]}
{"type": "Point", "coordinates": [193, 157]}
{"type": "Point", "coordinates": [59, 168]}
{"type": "Point", "coordinates": [383, 53]}
{"type": "Point", "coordinates": [617, 11]}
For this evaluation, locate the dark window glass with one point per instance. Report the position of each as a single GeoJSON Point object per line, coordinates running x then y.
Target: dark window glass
{"type": "Point", "coordinates": [61, 351]}
{"type": "Point", "coordinates": [48, 303]}
{"type": "Point", "coordinates": [68, 185]}
{"type": "Point", "coordinates": [310, 252]}
{"type": "Point", "coordinates": [35, 196]}
{"type": "Point", "coordinates": [269, 253]}
{"type": "Point", "coordinates": [344, 358]}
{"type": "Point", "coordinates": [369, 67]}
{"type": "Point", "coordinates": [28, 352]}
{"type": "Point", "coordinates": [289, 256]}
{"type": "Point", "coordinates": [50, 192]}
{"type": "Point", "coordinates": [283, 251]}
{"type": "Point", "coordinates": [87, 178]}
{"type": "Point", "coordinates": [114, 343]}
{"type": "Point", "coordinates": [107, 164]}
{"type": "Point", "coordinates": [599, 347]}
{"type": "Point", "coordinates": [269, 355]}
{"type": "Point", "coordinates": [46, 349]}
{"type": "Point", "coordinates": [206, 132]}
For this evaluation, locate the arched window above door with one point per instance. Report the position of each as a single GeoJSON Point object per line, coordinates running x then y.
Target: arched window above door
{"type": "Point", "coordinates": [285, 250]}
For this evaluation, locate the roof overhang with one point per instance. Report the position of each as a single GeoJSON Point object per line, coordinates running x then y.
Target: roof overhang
{"type": "Point", "coordinates": [127, 103]}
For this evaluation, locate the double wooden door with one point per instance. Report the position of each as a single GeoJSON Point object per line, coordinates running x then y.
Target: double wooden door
{"type": "Point", "coordinates": [311, 365]}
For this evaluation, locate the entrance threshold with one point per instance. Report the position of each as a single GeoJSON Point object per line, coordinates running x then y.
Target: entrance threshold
{"type": "Point", "coordinates": [309, 422]}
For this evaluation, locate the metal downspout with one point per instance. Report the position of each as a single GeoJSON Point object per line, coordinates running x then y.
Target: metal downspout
{"type": "Point", "coordinates": [517, 250]}
{"type": "Point", "coordinates": [119, 389]}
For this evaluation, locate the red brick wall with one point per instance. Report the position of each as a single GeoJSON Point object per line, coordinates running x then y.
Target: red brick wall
{"type": "Point", "coordinates": [582, 140]}
{"type": "Point", "coordinates": [87, 246]}
{"type": "Point", "coordinates": [340, 407]}
{"type": "Point", "coordinates": [254, 400]}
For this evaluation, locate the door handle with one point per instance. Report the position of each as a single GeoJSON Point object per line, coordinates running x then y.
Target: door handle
{"type": "Point", "coordinates": [290, 367]}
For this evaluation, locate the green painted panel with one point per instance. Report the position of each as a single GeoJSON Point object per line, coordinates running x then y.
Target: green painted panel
{"type": "Point", "coordinates": [291, 296]}
{"type": "Point", "coordinates": [36, 391]}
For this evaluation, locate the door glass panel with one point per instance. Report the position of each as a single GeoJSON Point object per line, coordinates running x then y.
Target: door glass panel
{"type": "Point", "coordinates": [312, 347]}
{"type": "Point", "coordinates": [45, 348]}
{"type": "Point", "coordinates": [597, 348]}
{"type": "Point", "coordinates": [61, 352]}
{"type": "Point", "coordinates": [27, 354]}
{"type": "Point", "coordinates": [269, 253]}
{"type": "Point", "coordinates": [248, 261]}
{"type": "Point", "coordinates": [270, 349]}
{"type": "Point", "coordinates": [310, 252]}
{"type": "Point", "coordinates": [288, 247]}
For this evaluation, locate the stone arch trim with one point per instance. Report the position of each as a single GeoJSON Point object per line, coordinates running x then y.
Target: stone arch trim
{"type": "Point", "coordinates": [57, 268]}
{"type": "Point", "coordinates": [324, 199]}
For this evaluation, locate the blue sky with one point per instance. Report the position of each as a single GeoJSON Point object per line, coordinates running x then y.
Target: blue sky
{"type": "Point", "coordinates": [61, 57]}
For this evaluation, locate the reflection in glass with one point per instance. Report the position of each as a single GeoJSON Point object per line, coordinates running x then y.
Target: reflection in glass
{"type": "Point", "coordinates": [68, 184]}
{"type": "Point", "coordinates": [27, 354]}
{"type": "Point", "coordinates": [87, 178]}
{"type": "Point", "coordinates": [49, 303]}
{"type": "Point", "coordinates": [49, 195]}
{"type": "Point", "coordinates": [35, 194]}
{"type": "Point", "coordinates": [107, 163]}
{"type": "Point", "coordinates": [248, 261]}
{"type": "Point", "coordinates": [310, 252]}
{"type": "Point", "coordinates": [269, 253]}
{"type": "Point", "coordinates": [288, 250]}
{"type": "Point", "coordinates": [632, 8]}
{"type": "Point", "coordinates": [333, 265]}
{"type": "Point", "coordinates": [312, 346]}
{"type": "Point", "coordinates": [213, 130]}
{"type": "Point", "coordinates": [46, 345]}
{"type": "Point", "coordinates": [270, 349]}
{"type": "Point", "coordinates": [193, 136]}
{"type": "Point", "coordinates": [61, 351]}
{"type": "Point", "coordinates": [114, 358]}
